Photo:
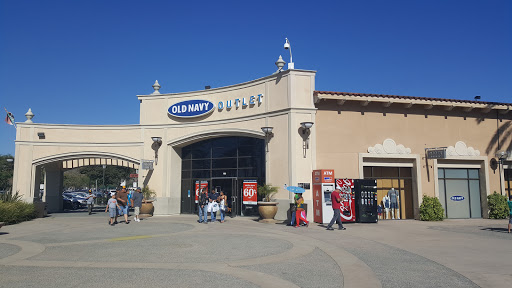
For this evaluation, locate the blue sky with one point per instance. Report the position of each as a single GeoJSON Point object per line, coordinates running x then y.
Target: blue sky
{"type": "Point", "coordinates": [84, 62]}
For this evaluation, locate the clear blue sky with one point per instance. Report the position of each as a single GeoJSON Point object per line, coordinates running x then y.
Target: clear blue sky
{"type": "Point", "coordinates": [84, 62]}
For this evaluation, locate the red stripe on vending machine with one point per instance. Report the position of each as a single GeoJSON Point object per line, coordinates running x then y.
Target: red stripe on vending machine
{"type": "Point", "coordinates": [204, 185]}
{"type": "Point", "coordinates": [348, 206]}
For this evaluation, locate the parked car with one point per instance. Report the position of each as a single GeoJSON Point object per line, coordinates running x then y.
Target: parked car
{"type": "Point", "coordinates": [70, 202]}
{"type": "Point", "coordinates": [80, 200]}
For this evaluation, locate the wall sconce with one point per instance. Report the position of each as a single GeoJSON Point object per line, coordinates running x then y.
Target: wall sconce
{"type": "Point", "coordinates": [157, 142]}
{"type": "Point", "coordinates": [268, 133]}
{"type": "Point", "coordinates": [502, 156]}
{"type": "Point", "coordinates": [306, 126]}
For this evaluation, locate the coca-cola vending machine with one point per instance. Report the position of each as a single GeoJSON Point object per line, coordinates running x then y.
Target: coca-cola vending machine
{"type": "Point", "coordinates": [359, 200]}
{"type": "Point", "coordinates": [348, 204]}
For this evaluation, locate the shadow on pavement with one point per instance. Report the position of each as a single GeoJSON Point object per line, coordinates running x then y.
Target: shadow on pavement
{"type": "Point", "coordinates": [494, 229]}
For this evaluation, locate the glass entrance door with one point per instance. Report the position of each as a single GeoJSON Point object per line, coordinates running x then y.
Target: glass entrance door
{"type": "Point", "coordinates": [228, 186]}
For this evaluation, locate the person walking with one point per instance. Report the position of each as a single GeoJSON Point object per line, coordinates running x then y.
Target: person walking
{"type": "Point", "coordinates": [300, 210]}
{"type": "Point", "coordinates": [90, 201]}
{"type": "Point", "coordinates": [223, 206]}
{"type": "Point", "coordinates": [137, 203]}
{"type": "Point", "coordinates": [509, 202]}
{"type": "Point", "coordinates": [293, 210]}
{"type": "Point", "coordinates": [336, 205]}
{"type": "Point", "coordinates": [213, 198]}
{"type": "Point", "coordinates": [122, 201]}
{"type": "Point", "coordinates": [112, 208]}
{"type": "Point", "coordinates": [202, 206]}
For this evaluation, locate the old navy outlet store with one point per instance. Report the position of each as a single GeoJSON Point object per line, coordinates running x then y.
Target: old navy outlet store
{"type": "Point", "coordinates": [277, 130]}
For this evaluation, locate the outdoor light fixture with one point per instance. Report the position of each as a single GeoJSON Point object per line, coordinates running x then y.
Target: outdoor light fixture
{"type": "Point", "coordinates": [157, 142]}
{"type": "Point", "coordinates": [280, 64]}
{"type": "Point", "coordinates": [306, 126]}
{"type": "Point", "coordinates": [268, 132]}
{"type": "Point", "coordinates": [501, 155]}
{"type": "Point", "coordinates": [287, 46]}
{"type": "Point", "coordinates": [40, 135]}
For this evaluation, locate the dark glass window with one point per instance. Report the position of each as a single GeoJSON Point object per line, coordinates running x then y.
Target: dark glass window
{"type": "Point", "coordinates": [224, 157]}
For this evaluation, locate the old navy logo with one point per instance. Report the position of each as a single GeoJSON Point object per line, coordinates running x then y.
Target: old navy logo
{"type": "Point", "coordinates": [191, 108]}
{"type": "Point", "coordinates": [457, 198]}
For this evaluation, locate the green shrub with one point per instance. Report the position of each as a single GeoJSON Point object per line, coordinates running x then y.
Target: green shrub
{"type": "Point", "coordinates": [15, 212]}
{"type": "Point", "coordinates": [9, 197]}
{"type": "Point", "coordinates": [431, 209]}
{"type": "Point", "coordinates": [498, 207]}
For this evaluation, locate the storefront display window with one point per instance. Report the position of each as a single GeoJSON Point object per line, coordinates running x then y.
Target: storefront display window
{"type": "Point", "coordinates": [398, 179]}
{"type": "Point", "coordinates": [508, 181]}
{"type": "Point", "coordinates": [459, 192]}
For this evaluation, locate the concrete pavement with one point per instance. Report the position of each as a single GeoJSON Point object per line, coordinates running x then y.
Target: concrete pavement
{"type": "Point", "coordinates": [78, 250]}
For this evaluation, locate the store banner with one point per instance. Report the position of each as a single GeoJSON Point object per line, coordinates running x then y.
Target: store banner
{"type": "Point", "coordinates": [250, 189]}
{"type": "Point", "coordinates": [203, 185]}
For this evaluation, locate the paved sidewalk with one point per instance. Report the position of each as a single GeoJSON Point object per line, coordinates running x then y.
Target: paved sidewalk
{"type": "Point", "coordinates": [78, 250]}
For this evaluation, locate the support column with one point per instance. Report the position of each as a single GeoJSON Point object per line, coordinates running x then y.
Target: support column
{"type": "Point", "coordinates": [53, 181]}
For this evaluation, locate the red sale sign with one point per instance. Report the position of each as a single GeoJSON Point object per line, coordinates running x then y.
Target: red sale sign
{"type": "Point", "coordinates": [250, 191]}
{"type": "Point", "coordinates": [204, 185]}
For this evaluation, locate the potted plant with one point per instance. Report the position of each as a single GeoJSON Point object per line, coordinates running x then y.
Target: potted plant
{"type": "Point", "coordinates": [147, 208]}
{"type": "Point", "coordinates": [267, 208]}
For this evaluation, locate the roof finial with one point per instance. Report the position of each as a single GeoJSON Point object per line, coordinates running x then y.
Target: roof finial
{"type": "Point", "coordinates": [156, 86]}
{"type": "Point", "coordinates": [29, 116]}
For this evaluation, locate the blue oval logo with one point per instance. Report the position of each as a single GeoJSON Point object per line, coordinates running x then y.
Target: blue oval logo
{"type": "Point", "coordinates": [457, 198]}
{"type": "Point", "coordinates": [295, 189]}
{"type": "Point", "coordinates": [191, 108]}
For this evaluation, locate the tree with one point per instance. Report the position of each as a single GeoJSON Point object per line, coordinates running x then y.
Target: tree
{"type": "Point", "coordinates": [6, 171]}
{"type": "Point", "coordinates": [88, 175]}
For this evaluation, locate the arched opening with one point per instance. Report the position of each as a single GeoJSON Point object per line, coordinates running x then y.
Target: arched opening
{"type": "Point", "coordinates": [223, 164]}
{"type": "Point", "coordinates": [61, 180]}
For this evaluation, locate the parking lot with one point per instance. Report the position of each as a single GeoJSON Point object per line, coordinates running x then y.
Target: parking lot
{"type": "Point", "coordinates": [80, 250]}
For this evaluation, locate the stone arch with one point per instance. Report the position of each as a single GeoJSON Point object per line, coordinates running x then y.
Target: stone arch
{"type": "Point", "coordinates": [216, 133]}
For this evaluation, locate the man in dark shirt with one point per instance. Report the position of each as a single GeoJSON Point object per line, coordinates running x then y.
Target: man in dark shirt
{"type": "Point", "coordinates": [336, 205]}
{"type": "Point", "coordinates": [122, 200]}
{"type": "Point", "coordinates": [213, 199]}
{"type": "Point", "coordinates": [202, 206]}
{"type": "Point", "coordinates": [137, 203]}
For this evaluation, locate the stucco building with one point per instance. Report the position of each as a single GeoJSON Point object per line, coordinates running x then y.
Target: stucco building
{"type": "Point", "coordinates": [215, 136]}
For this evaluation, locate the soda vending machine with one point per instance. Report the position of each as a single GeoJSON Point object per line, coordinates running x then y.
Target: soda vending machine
{"type": "Point", "coordinates": [323, 185]}
{"type": "Point", "coordinates": [348, 205]}
{"type": "Point", "coordinates": [365, 191]}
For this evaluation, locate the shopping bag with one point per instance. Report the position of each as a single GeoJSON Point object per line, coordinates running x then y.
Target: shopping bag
{"type": "Point", "coordinates": [210, 205]}
{"type": "Point", "coordinates": [215, 207]}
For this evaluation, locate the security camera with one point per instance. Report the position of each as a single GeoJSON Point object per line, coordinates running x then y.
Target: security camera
{"type": "Point", "coordinates": [287, 44]}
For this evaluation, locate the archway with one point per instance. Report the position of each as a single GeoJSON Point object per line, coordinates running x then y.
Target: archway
{"type": "Point", "coordinates": [48, 173]}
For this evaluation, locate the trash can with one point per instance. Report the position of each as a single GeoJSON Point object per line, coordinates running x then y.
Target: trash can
{"type": "Point", "coordinates": [41, 209]}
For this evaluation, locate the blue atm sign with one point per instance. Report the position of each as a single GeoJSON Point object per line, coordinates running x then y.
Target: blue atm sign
{"type": "Point", "coordinates": [191, 108]}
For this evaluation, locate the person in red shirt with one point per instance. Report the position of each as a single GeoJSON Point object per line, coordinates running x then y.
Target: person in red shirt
{"type": "Point", "coordinates": [336, 205]}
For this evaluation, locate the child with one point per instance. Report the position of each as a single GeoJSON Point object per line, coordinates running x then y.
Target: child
{"type": "Point", "coordinates": [111, 207]}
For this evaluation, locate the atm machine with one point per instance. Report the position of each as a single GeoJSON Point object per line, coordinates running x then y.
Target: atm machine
{"type": "Point", "coordinates": [323, 185]}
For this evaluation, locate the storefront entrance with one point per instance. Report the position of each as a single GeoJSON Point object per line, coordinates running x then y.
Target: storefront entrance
{"type": "Point", "coordinates": [222, 164]}
{"type": "Point", "coordinates": [459, 192]}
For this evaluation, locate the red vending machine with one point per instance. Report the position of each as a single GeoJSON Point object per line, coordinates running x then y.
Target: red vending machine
{"type": "Point", "coordinates": [323, 185]}
{"type": "Point", "coordinates": [348, 206]}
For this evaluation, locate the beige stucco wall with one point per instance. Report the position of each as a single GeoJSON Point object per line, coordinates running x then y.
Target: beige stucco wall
{"type": "Point", "coordinates": [346, 131]}
{"type": "Point", "coordinates": [287, 100]}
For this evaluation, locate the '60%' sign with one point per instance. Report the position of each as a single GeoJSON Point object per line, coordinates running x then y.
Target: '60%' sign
{"type": "Point", "coordinates": [250, 189]}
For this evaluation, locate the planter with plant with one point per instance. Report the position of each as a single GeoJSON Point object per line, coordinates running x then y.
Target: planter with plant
{"type": "Point", "coordinates": [267, 208]}
{"type": "Point", "coordinates": [147, 208]}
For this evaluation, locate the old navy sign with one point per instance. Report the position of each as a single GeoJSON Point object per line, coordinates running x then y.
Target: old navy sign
{"type": "Point", "coordinates": [191, 108]}
{"type": "Point", "coordinates": [457, 198]}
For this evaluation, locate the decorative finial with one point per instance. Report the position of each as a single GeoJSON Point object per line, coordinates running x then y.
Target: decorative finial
{"type": "Point", "coordinates": [29, 116]}
{"type": "Point", "coordinates": [280, 64]}
{"type": "Point", "coordinates": [156, 86]}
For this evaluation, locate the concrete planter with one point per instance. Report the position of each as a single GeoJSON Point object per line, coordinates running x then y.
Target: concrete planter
{"type": "Point", "coordinates": [147, 208]}
{"type": "Point", "coordinates": [268, 210]}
